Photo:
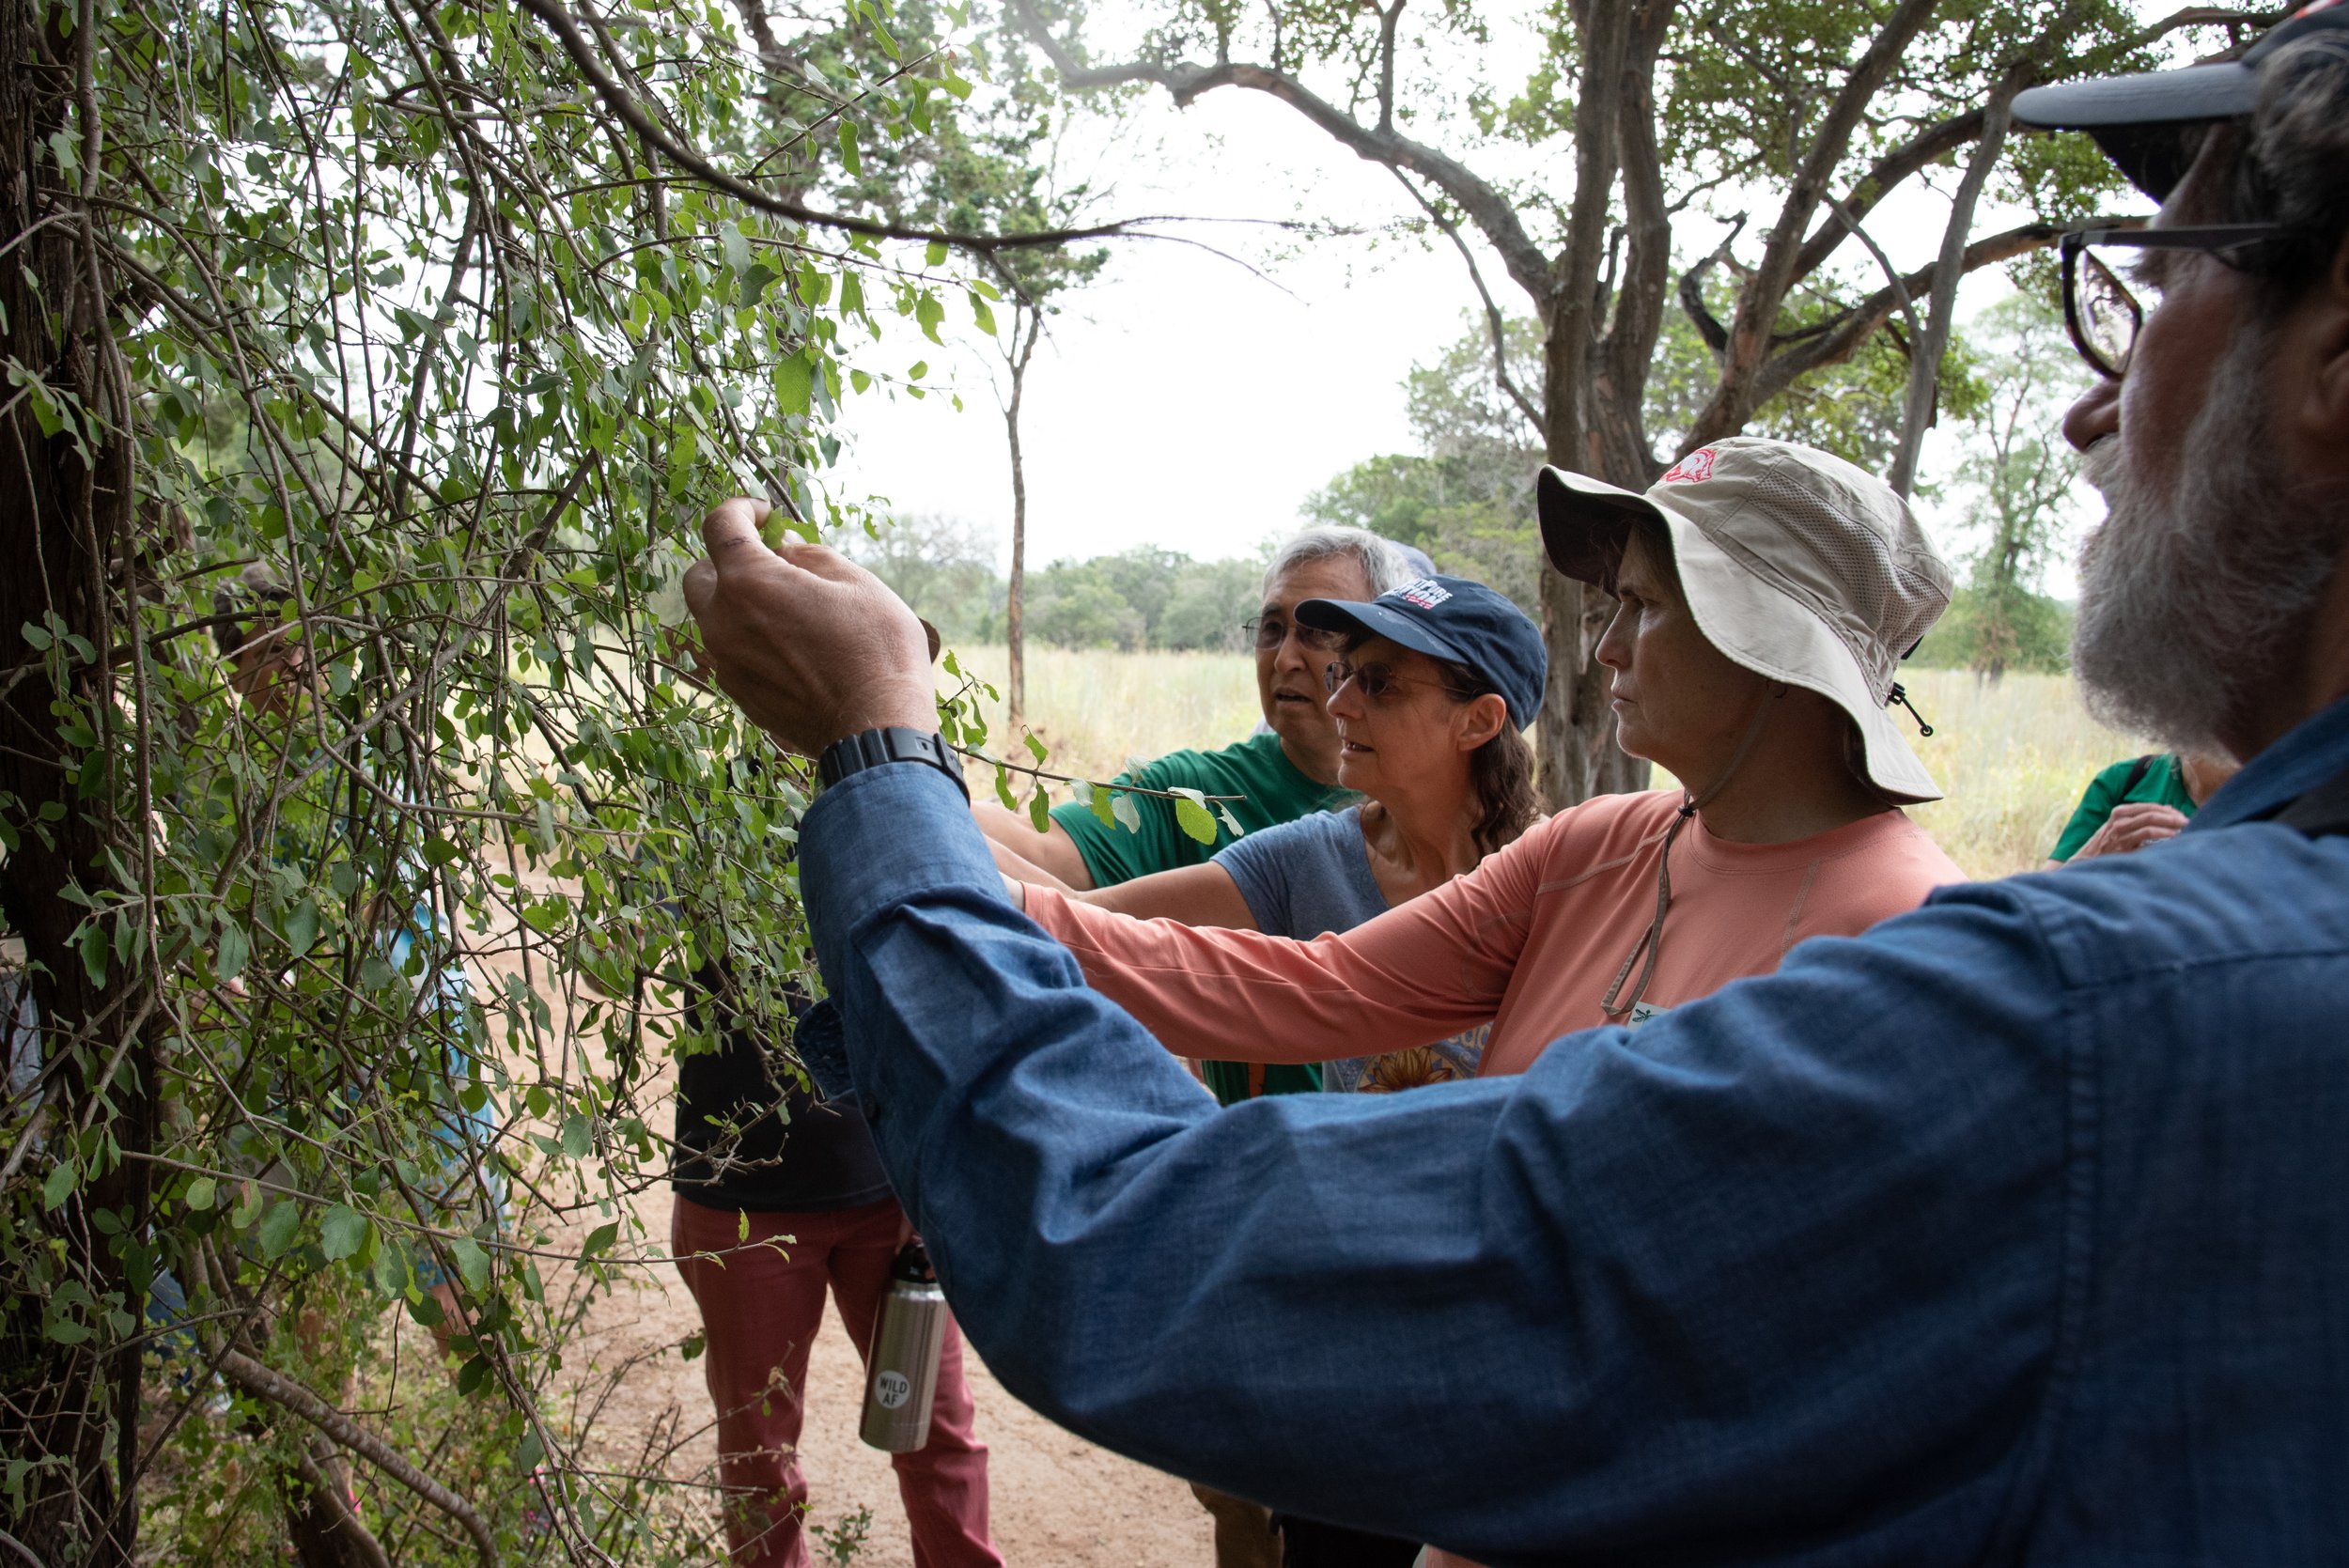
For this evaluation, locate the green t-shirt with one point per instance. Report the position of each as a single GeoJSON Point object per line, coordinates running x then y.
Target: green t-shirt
{"type": "Point", "coordinates": [1272, 791]}
{"type": "Point", "coordinates": [2161, 780]}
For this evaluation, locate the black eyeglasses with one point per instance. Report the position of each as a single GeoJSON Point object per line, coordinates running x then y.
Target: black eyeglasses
{"type": "Point", "coordinates": [1270, 631]}
{"type": "Point", "coordinates": [2100, 313]}
{"type": "Point", "coordinates": [1377, 682]}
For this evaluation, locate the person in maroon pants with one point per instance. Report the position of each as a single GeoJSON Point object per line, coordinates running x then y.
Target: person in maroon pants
{"type": "Point", "coordinates": [805, 1177]}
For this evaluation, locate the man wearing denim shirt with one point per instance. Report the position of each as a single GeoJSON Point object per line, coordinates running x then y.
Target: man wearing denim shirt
{"type": "Point", "coordinates": [2016, 1230]}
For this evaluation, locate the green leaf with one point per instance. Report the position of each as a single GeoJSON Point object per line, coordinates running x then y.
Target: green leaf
{"type": "Point", "coordinates": [1128, 815]}
{"type": "Point", "coordinates": [936, 252]}
{"type": "Point", "coordinates": [1195, 818]}
{"type": "Point", "coordinates": [235, 947]}
{"type": "Point", "coordinates": [981, 314]}
{"type": "Point", "coordinates": [58, 1184]}
{"type": "Point", "coordinates": [1040, 811]}
{"type": "Point", "coordinates": [795, 383]}
{"type": "Point", "coordinates": [600, 1237]}
{"type": "Point", "coordinates": [1036, 747]}
{"type": "Point", "coordinates": [343, 1232]}
{"type": "Point", "coordinates": [929, 312]}
{"type": "Point", "coordinates": [248, 1207]}
{"type": "Point", "coordinates": [279, 1227]}
{"type": "Point", "coordinates": [472, 1262]}
{"type": "Point", "coordinates": [850, 159]}
{"type": "Point", "coordinates": [95, 951]}
{"type": "Point", "coordinates": [576, 1134]}
{"type": "Point", "coordinates": [529, 1452]}
{"type": "Point", "coordinates": [302, 927]}
{"type": "Point", "coordinates": [200, 1191]}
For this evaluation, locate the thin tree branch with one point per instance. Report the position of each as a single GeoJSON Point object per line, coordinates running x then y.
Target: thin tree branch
{"type": "Point", "coordinates": [1493, 316]}
{"type": "Point", "coordinates": [1486, 207]}
{"type": "Point", "coordinates": [1830, 348]}
{"type": "Point", "coordinates": [655, 135]}
{"type": "Point", "coordinates": [1708, 325]}
{"type": "Point", "coordinates": [264, 1383]}
{"type": "Point", "coordinates": [1925, 365]}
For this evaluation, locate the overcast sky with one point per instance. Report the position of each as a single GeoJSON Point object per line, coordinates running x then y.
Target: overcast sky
{"type": "Point", "coordinates": [1184, 401]}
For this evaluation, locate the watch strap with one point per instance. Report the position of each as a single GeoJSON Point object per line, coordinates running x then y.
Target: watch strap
{"type": "Point", "coordinates": [853, 753]}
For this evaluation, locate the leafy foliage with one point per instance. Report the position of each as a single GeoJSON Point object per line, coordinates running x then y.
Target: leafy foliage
{"type": "Point", "coordinates": [2014, 475]}
{"type": "Point", "coordinates": [428, 371]}
{"type": "Point", "coordinates": [1467, 496]}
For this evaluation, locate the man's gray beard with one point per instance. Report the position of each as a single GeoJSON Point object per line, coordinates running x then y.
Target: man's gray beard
{"type": "Point", "coordinates": [2191, 600]}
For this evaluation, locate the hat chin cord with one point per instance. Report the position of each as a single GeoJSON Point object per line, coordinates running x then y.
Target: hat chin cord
{"type": "Point", "coordinates": [1651, 942]}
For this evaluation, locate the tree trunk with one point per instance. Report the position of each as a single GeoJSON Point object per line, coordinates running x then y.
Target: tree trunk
{"type": "Point", "coordinates": [64, 511]}
{"type": "Point", "coordinates": [1924, 366]}
{"type": "Point", "coordinates": [1014, 597]}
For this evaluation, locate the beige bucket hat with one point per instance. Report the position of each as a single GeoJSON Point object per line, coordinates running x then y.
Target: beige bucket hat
{"type": "Point", "coordinates": [1797, 565]}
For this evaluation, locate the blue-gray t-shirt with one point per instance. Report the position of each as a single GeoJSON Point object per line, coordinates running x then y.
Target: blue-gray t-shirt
{"type": "Point", "coordinates": [1313, 875]}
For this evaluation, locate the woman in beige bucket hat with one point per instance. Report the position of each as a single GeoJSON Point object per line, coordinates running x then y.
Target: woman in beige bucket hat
{"type": "Point", "coordinates": [1766, 594]}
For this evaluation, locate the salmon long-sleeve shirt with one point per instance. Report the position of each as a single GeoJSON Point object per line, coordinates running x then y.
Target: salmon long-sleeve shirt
{"type": "Point", "coordinates": [1531, 938]}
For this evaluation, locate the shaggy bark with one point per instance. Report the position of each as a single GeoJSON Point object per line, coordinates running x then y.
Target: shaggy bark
{"type": "Point", "coordinates": [65, 514]}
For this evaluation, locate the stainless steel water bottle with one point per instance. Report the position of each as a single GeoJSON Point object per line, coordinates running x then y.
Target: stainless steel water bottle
{"type": "Point", "coordinates": [901, 1372]}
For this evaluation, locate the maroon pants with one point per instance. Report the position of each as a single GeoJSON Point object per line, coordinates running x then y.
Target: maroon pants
{"type": "Point", "coordinates": [760, 1309]}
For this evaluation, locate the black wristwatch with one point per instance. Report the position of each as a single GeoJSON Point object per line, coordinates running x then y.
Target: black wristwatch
{"type": "Point", "coordinates": [856, 752]}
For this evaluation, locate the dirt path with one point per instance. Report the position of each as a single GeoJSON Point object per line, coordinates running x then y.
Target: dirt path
{"type": "Point", "coordinates": [1057, 1500]}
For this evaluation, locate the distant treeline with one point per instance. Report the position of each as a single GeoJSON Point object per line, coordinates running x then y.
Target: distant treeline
{"type": "Point", "coordinates": [1139, 599]}
{"type": "Point", "coordinates": [1162, 599]}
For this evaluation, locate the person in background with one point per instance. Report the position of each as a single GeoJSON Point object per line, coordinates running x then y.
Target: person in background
{"type": "Point", "coordinates": [779, 1198]}
{"type": "Point", "coordinates": [1764, 594]}
{"type": "Point", "coordinates": [2012, 1230]}
{"type": "Point", "coordinates": [1279, 776]}
{"type": "Point", "coordinates": [271, 669]}
{"type": "Point", "coordinates": [2138, 802]}
{"type": "Point", "coordinates": [1430, 687]}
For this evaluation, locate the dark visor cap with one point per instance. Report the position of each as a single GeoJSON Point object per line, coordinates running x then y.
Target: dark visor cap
{"type": "Point", "coordinates": [1455, 619]}
{"type": "Point", "coordinates": [2151, 125]}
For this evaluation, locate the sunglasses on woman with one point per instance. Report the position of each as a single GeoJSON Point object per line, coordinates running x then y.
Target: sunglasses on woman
{"type": "Point", "coordinates": [2100, 312]}
{"type": "Point", "coordinates": [1377, 682]}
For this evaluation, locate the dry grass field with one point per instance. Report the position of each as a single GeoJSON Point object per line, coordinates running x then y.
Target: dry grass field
{"type": "Point", "coordinates": [2014, 756]}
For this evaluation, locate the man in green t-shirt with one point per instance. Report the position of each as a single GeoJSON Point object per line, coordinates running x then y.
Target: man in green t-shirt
{"type": "Point", "coordinates": [1281, 774]}
{"type": "Point", "coordinates": [2138, 802]}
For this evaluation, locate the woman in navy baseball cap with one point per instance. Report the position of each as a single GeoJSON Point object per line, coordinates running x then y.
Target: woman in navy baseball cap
{"type": "Point", "coordinates": [1449, 635]}
{"type": "Point", "coordinates": [1431, 684]}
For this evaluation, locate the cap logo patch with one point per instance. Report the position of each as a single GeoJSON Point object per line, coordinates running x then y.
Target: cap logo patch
{"type": "Point", "coordinates": [1426, 593]}
{"type": "Point", "coordinates": [1696, 465]}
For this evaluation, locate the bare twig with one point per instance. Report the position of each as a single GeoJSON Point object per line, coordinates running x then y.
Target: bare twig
{"type": "Point", "coordinates": [1494, 319]}
{"type": "Point", "coordinates": [264, 1383]}
{"type": "Point", "coordinates": [653, 135]}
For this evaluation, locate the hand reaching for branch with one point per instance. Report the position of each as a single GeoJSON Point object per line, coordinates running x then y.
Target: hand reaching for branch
{"type": "Point", "coordinates": [810, 645]}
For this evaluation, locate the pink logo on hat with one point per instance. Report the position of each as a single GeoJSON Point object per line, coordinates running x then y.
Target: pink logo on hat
{"type": "Point", "coordinates": [1696, 465]}
{"type": "Point", "coordinates": [1426, 593]}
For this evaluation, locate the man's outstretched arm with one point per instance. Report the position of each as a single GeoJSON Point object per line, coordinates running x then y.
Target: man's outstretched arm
{"type": "Point", "coordinates": [1613, 1300]}
{"type": "Point", "coordinates": [1718, 1281]}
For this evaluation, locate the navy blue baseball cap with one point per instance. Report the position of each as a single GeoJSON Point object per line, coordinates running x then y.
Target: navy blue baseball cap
{"type": "Point", "coordinates": [2152, 125]}
{"type": "Point", "coordinates": [1451, 618]}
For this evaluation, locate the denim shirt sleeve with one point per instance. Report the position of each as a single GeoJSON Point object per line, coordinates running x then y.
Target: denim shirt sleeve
{"type": "Point", "coordinates": [1783, 1266]}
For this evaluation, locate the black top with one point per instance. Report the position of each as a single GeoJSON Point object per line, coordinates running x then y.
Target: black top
{"type": "Point", "coordinates": [794, 1153]}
